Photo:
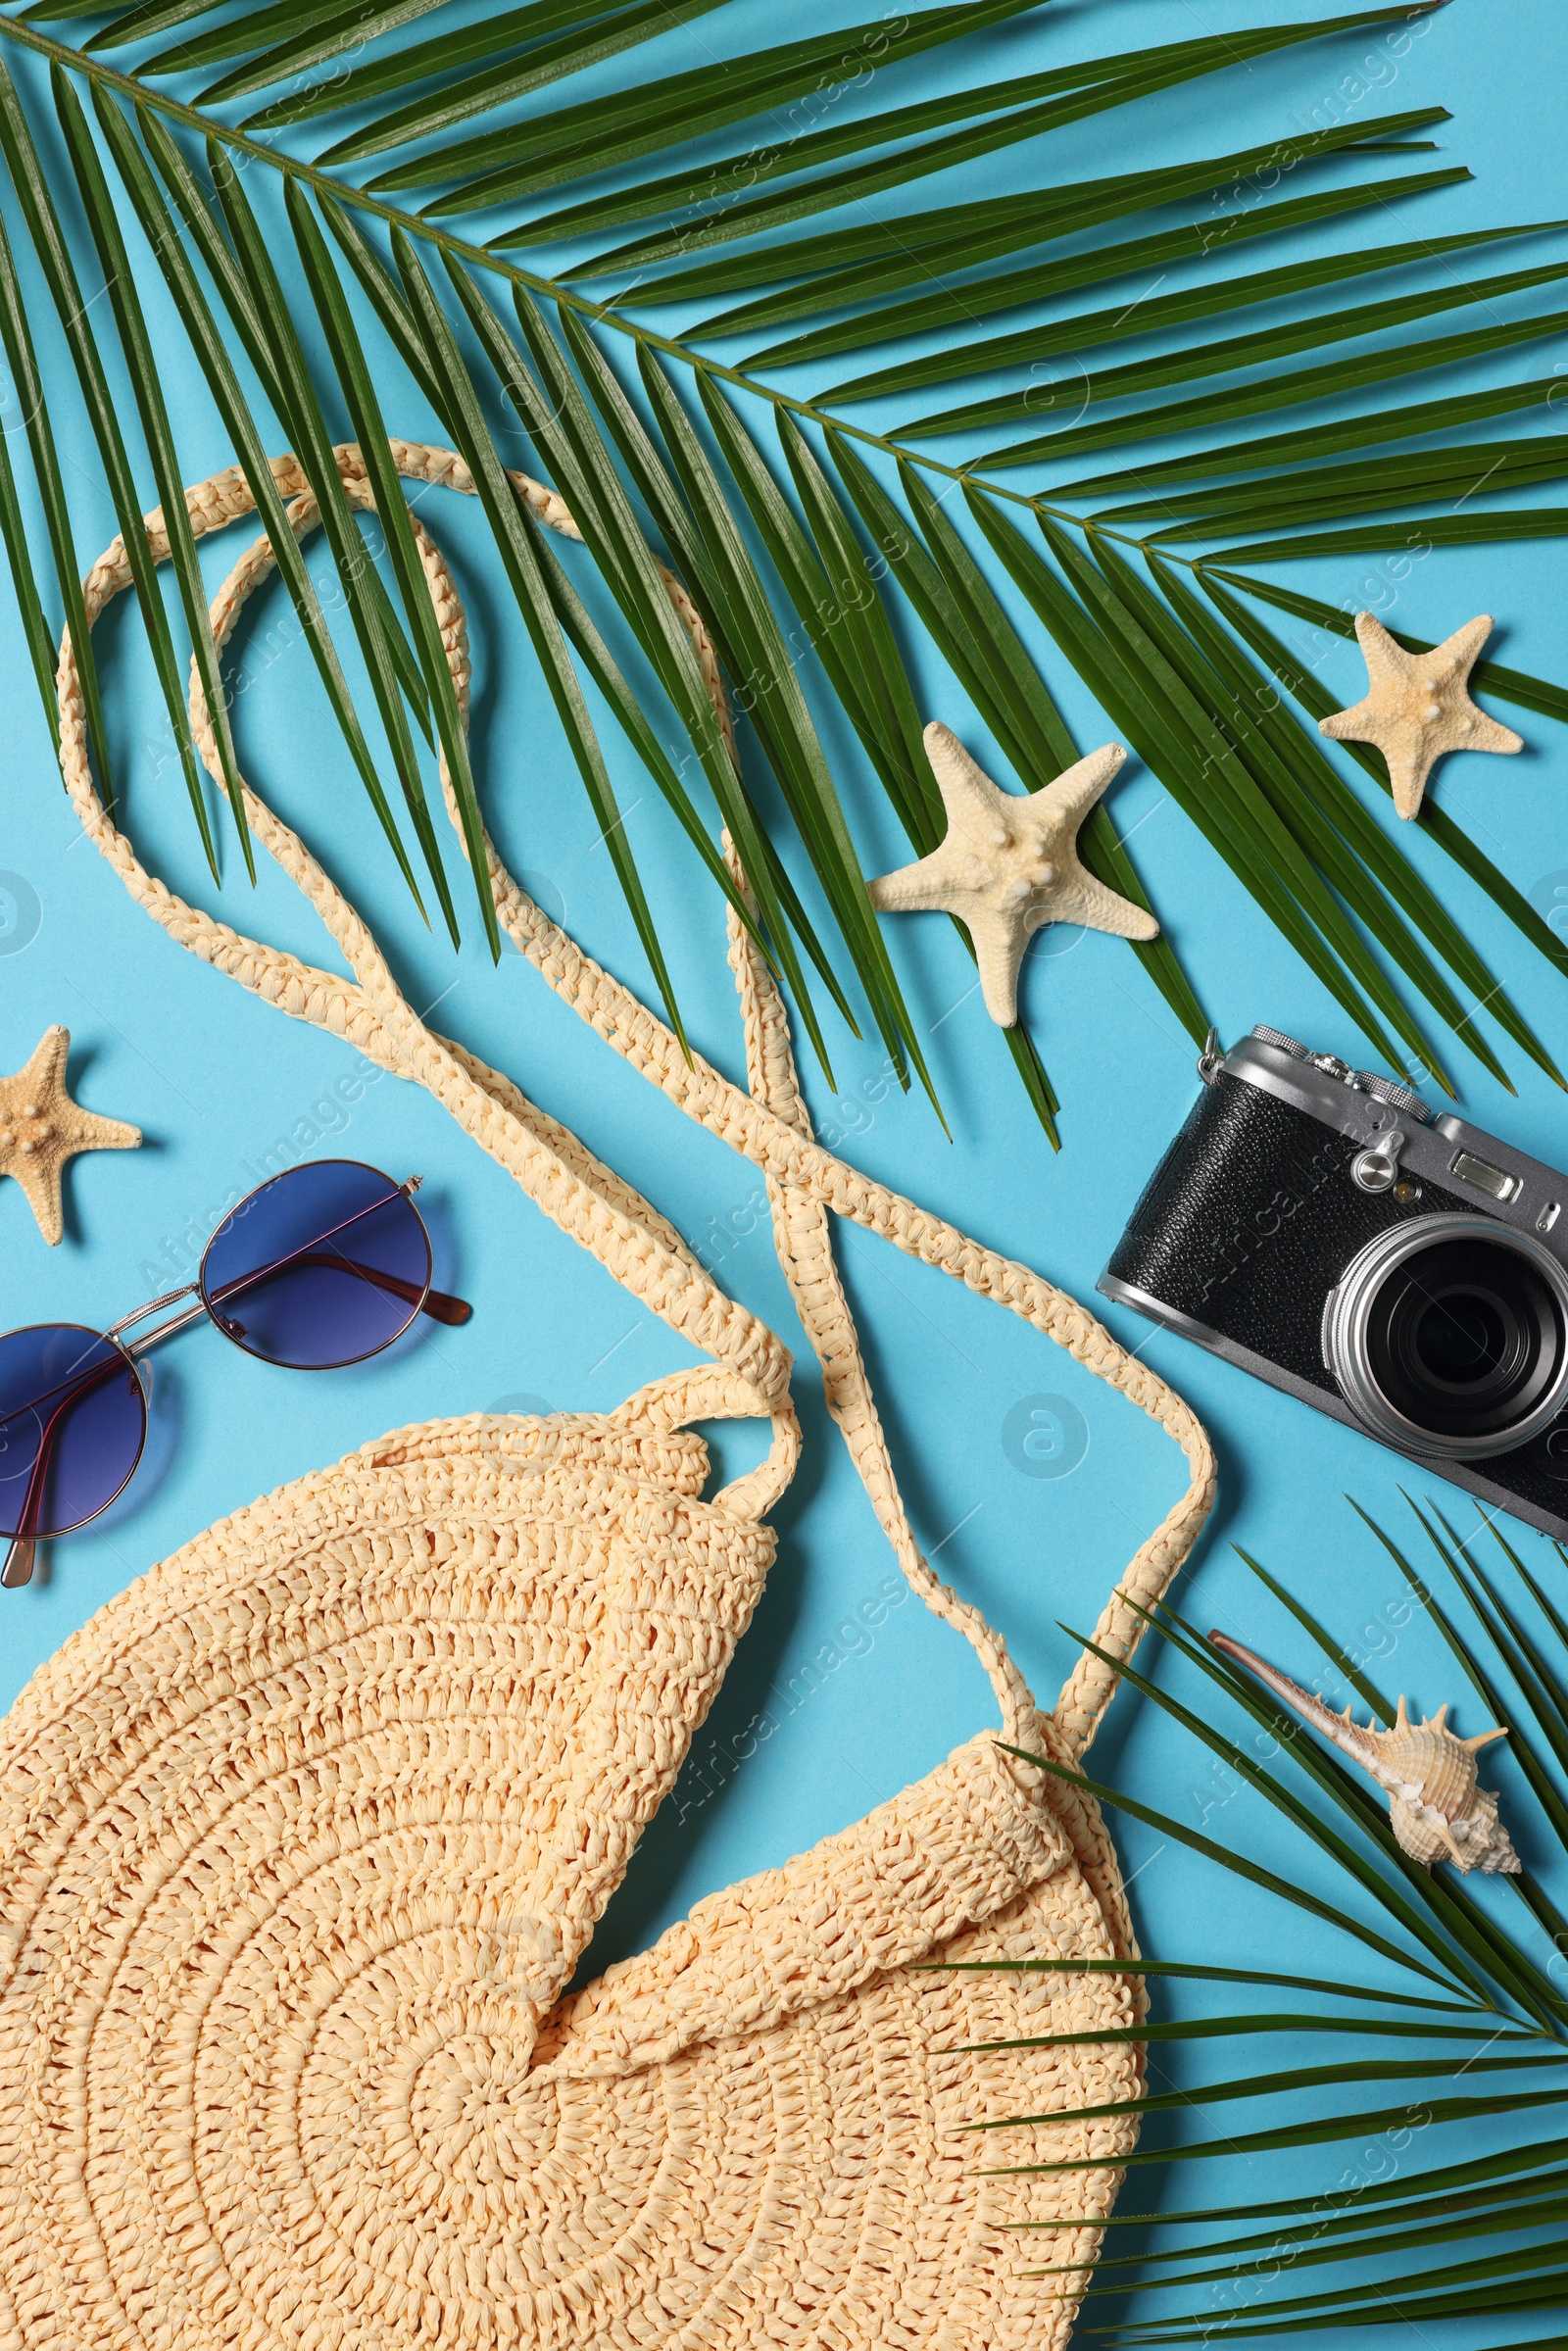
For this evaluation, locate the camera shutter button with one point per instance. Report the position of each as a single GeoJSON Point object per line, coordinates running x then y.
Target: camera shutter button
{"type": "Point", "coordinates": [1377, 1168]}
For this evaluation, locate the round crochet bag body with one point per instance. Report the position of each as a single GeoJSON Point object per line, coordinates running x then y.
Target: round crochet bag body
{"type": "Point", "coordinates": [303, 1835]}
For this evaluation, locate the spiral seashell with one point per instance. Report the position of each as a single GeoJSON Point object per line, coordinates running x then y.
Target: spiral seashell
{"type": "Point", "coordinates": [1436, 1809]}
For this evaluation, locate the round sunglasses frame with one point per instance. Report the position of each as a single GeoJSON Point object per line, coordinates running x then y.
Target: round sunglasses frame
{"type": "Point", "coordinates": [139, 1381]}
{"type": "Point", "coordinates": [419, 1297]}
{"type": "Point", "coordinates": [343, 1362]}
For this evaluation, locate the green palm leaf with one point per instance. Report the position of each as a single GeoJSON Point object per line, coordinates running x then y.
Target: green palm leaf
{"type": "Point", "coordinates": [1455, 2181]}
{"type": "Point", "coordinates": [603, 133]}
{"type": "Point", "coordinates": [35, 622]}
{"type": "Point", "coordinates": [1237, 352]}
{"type": "Point", "coordinates": [1085, 208]}
{"type": "Point", "coordinates": [307, 427]}
{"type": "Point", "coordinates": [136, 345]}
{"type": "Point", "coordinates": [1503, 2288]}
{"type": "Point", "coordinates": [260, 26]}
{"type": "Point", "coordinates": [49, 244]}
{"type": "Point", "coordinates": [734, 214]}
{"type": "Point", "coordinates": [22, 358]}
{"type": "Point", "coordinates": [363, 407]}
{"type": "Point", "coordinates": [1296, 390]}
{"type": "Point", "coordinates": [1487, 677]}
{"type": "Point", "coordinates": [1329, 820]}
{"type": "Point", "coordinates": [494, 85]}
{"type": "Point", "coordinates": [1410, 423]}
{"type": "Point", "coordinates": [770, 696]}
{"type": "Point", "coordinates": [841, 614]}
{"type": "Point", "coordinates": [1330, 492]}
{"type": "Point", "coordinates": [1157, 72]}
{"type": "Point", "coordinates": [503, 513]}
{"type": "Point", "coordinates": [555, 412]}
{"type": "Point", "coordinates": [485, 43]}
{"type": "Point", "coordinates": [312, 37]}
{"type": "Point", "coordinates": [143, 22]}
{"type": "Point", "coordinates": [1174, 667]}
{"type": "Point", "coordinates": [1104, 265]}
{"type": "Point", "coordinates": [1151, 699]}
{"type": "Point", "coordinates": [224, 383]}
{"type": "Point", "coordinates": [1314, 697]}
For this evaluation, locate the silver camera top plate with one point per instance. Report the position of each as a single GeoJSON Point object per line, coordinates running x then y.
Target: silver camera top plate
{"type": "Point", "coordinates": [1500, 1182]}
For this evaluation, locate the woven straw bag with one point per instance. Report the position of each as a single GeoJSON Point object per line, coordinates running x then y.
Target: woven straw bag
{"type": "Point", "coordinates": [302, 1836]}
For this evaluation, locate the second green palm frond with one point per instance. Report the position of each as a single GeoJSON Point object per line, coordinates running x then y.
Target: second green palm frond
{"type": "Point", "coordinates": [1421, 2222]}
{"type": "Point", "coordinates": [817, 549]}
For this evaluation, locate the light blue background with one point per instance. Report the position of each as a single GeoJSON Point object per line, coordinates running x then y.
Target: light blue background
{"type": "Point", "coordinates": [216, 1079]}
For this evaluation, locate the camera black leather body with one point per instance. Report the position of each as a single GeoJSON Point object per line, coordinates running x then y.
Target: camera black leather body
{"type": "Point", "coordinates": [1406, 1273]}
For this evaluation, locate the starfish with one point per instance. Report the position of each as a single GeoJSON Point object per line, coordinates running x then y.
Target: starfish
{"type": "Point", "coordinates": [1418, 706]}
{"type": "Point", "coordinates": [42, 1128]}
{"type": "Point", "coordinates": [1009, 865]}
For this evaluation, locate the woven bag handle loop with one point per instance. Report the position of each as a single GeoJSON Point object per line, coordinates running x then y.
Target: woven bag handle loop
{"type": "Point", "coordinates": [589, 1200]}
{"type": "Point", "coordinates": [584, 1197]}
{"type": "Point", "coordinates": [708, 1392]}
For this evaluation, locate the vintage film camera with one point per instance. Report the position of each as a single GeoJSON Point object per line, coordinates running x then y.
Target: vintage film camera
{"type": "Point", "coordinates": [1406, 1273]}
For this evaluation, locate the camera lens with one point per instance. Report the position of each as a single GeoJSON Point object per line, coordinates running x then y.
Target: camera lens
{"type": "Point", "coordinates": [1459, 1338]}
{"type": "Point", "coordinates": [1464, 1337]}
{"type": "Point", "coordinates": [1450, 1336]}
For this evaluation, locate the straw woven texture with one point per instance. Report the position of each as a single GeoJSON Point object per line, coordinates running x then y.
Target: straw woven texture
{"type": "Point", "coordinates": [302, 1836]}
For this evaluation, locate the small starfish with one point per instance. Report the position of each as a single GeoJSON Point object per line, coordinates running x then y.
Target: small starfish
{"type": "Point", "coordinates": [42, 1128]}
{"type": "Point", "coordinates": [1009, 865]}
{"type": "Point", "coordinates": [1418, 706]}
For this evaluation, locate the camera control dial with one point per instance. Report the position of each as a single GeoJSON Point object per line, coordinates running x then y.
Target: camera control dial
{"type": "Point", "coordinates": [1281, 1043]}
{"type": "Point", "coordinates": [1397, 1098]}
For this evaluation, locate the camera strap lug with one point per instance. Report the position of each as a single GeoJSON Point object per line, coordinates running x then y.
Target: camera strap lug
{"type": "Point", "coordinates": [1210, 1062]}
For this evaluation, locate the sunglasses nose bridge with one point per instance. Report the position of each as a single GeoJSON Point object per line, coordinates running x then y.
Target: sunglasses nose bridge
{"type": "Point", "coordinates": [154, 1305]}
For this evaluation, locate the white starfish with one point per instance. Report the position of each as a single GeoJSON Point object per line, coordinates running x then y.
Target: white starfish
{"type": "Point", "coordinates": [1417, 705]}
{"type": "Point", "coordinates": [1009, 865]}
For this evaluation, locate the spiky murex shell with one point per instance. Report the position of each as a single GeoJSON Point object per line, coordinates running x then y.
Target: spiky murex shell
{"type": "Point", "coordinates": [1437, 1809]}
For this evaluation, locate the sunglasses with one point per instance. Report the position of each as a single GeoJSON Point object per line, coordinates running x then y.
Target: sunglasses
{"type": "Point", "coordinates": [321, 1267]}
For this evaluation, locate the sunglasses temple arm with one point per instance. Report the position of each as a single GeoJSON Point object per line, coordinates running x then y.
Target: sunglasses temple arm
{"type": "Point", "coordinates": [438, 1303]}
{"type": "Point", "coordinates": [18, 1559]}
{"type": "Point", "coordinates": [442, 1307]}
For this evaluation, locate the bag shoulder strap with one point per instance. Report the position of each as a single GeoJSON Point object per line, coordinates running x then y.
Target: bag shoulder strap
{"type": "Point", "coordinates": [804, 1243]}
{"type": "Point", "coordinates": [587, 1199]}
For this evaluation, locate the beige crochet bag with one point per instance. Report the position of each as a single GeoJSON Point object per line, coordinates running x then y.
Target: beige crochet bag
{"type": "Point", "coordinates": [302, 1836]}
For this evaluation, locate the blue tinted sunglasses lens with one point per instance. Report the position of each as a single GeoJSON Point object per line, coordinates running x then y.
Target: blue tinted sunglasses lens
{"type": "Point", "coordinates": [326, 1264]}
{"type": "Point", "coordinates": [72, 1420]}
